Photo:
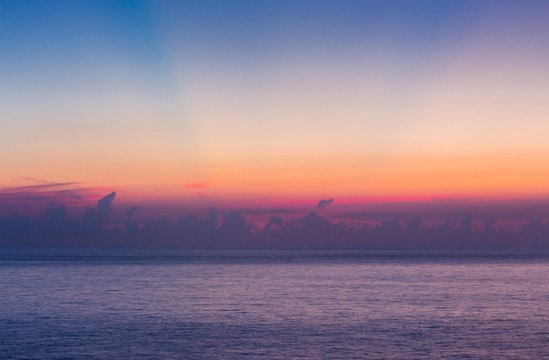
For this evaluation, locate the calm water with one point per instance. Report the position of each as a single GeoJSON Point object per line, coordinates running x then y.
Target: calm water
{"type": "Point", "coordinates": [273, 304]}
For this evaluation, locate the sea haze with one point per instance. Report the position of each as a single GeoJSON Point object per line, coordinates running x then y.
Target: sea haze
{"type": "Point", "coordinates": [273, 304]}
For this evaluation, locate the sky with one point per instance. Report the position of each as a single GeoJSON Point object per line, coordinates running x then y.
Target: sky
{"type": "Point", "coordinates": [276, 105]}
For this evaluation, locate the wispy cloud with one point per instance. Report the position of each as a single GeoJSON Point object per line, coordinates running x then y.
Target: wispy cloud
{"type": "Point", "coordinates": [39, 187]}
{"type": "Point", "coordinates": [39, 193]}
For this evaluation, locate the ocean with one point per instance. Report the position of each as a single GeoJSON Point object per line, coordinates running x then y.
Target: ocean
{"type": "Point", "coordinates": [273, 304]}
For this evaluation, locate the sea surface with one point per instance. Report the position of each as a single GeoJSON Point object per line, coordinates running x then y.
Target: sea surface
{"type": "Point", "coordinates": [273, 304]}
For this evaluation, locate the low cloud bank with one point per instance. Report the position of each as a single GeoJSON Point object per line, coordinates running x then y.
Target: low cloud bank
{"type": "Point", "coordinates": [96, 228]}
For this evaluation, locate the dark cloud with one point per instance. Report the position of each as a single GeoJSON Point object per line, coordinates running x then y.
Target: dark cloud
{"type": "Point", "coordinates": [98, 228]}
{"type": "Point", "coordinates": [104, 204]}
{"type": "Point", "coordinates": [94, 219]}
{"type": "Point", "coordinates": [322, 203]}
{"type": "Point", "coordinates": [234, 228]}
{"type": "Point", "coordinates": [131, 211]}
{"type": "Point", "coordinates": [511, 213]}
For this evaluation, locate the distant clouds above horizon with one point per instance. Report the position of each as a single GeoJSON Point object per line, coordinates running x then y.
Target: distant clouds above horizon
{"type": "Point", "coordinates": [33, 201]}
{"type": "Point", "coordinates": [273, 104]}
{"type": "Point", "coordinates": [97, 228]}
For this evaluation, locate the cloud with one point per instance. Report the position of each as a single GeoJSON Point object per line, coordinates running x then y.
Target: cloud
{"type": "Point", "coordinates": [131, 211]}
{"type": "Point", "coordinates": [33, 198]}
{"type": "Point", "coordinates": [322, 203]}
{"type": "Point", "coordinates": [96, 228]}
{"type": "Point", "coordinates": [38, 187]}
{"type": "Point", "coordinates": [104, 204]}
{"type": "Point", "coordinates": [197, 185]}
{"type": "Point", "coordinates": [93, 219]}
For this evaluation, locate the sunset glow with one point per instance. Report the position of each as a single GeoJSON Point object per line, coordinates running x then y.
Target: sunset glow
{"type": "Point", "coordinates": [276, 103]}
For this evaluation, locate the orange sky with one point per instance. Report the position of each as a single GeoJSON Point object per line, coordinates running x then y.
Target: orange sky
{"type": "Point", "coordinates": [350, 104]}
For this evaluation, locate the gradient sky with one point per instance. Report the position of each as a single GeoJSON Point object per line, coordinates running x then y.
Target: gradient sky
{"type": "Point", "coordinates": [256, 102]}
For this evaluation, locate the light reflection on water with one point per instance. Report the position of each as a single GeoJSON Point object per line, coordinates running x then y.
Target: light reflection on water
{"type": "Point", "coordinates": [279, 304]}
